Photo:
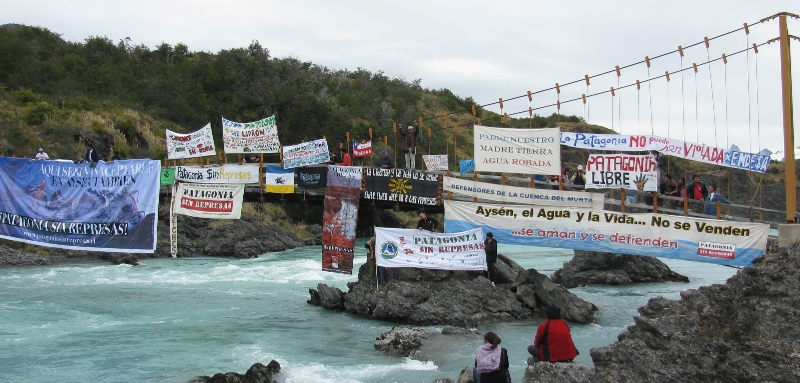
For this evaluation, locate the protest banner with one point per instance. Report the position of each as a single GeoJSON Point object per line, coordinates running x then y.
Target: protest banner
{"type": "Point", "coordinates": [622, 171]}
{"type": "Point", "coordinates": [426, 250]}
{"type": "Point", "coordinates": [521, 195]}
{"type": "Point", "coordinates": [219, 174]}
{"type": "Point", "coordinates": [307, 153]}
{"type": "Point", "coordinates": [339, 218]}
{"type": "Point", "coordinates": [167, 177]}
{"type": "Point", "coordinates": [250, 137]}
{"type": "Point", "coordinates": [402, 185]}
{"type": "Point", "coordinates": [435, 162]}
{"type": "Point", "coordinates": [111, 207]}
{"type": "Point", "coordinates": [668, 236]}
{"type": "Point", "coordinates": [218, 201]}
{"type": "Point", "coordinates": [197, 144]}
{"type": "Point", "coordinates": [361, 150]}
{"type": "Point", "coordinates": [279, 180]}
{"type": "Point", "coordinates": [524, 151]}
{"type": "Point", "coordinates": [466, 166]}
{"type": "Point", "coordinates": [311, 177]}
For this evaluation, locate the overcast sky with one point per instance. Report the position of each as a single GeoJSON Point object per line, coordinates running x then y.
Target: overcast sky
{"type": "Point", "coordinates": [498, 49]}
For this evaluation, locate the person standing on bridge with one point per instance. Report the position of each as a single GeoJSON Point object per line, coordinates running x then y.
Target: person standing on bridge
{"type": "Point", "coordinates": [579, 178]}
{"type": "Point", "coordinates": [385, 162]}
{"type": "Point", "coordinates": [426, 223]}
{"type": "Point", "coordinates": [697, 192]}
{"type": "Point", "coordinates": [346, 160]}
{"type": "Point", "coordinates": [410, 146]}
{"type": "Point", "coordinates": [713, 197]}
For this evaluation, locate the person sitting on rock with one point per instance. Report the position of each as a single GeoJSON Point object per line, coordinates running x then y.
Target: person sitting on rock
{"type": "Point", "coordinates": [553, 342]}
{"type": "Point", "coordinates": [491, 362]}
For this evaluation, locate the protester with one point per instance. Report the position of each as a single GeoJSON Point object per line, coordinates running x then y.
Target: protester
{"type": "Point", "coordinates": [552, 180]}
{"type": "Point", "coordinates": [566, 178]}
{"type": "Point", "coordinates": [713, 197]}
{"type": "Point", "coordinates": [346, 160]}
{"type": "Point", "coordinates": [251, 158]}
{"type": "Point", "coordinates": [92, 156]}
{"type": "Point", "coordinates": [491, 362]}
{"type": "Point", "coordinates": [426, 223]}
{"type": "Point", "coordinates": [370, 245]}
{"type": "Point", "coordinates": [697, 192]}
{"type": "Point", "coordinates": [579, 178]}
{"type": "Point", "coordinates": [682, 187]}
{"type": "Point", "coordinates": [410, 146]}
{"type": "Point", "coordinates": [41, 155]}
{"type": "Point", "coordinates": [385, 162]}
{"type": "Point", "coordinates": [490, 246]}
{"type": "Point", "coordinates": [553, 341]}
{"type": "Point", "coordinates": [670, 189]}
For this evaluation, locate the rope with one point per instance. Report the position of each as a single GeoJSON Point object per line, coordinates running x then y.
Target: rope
{"type": "Point", "coordinates": [713, 104]}
{"type": "Point", "coordinates": [650, 99]}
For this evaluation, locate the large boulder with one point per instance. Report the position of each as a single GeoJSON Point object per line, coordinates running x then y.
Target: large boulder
{"type": "Point", "coordinates": [546, 372]}
{"type": "Point", "coordinates": [258, 373]}
{"type": "Point", "coordinates": [596, 267]}
{"type": "Point", "coordinates": [457, 298]}
{"type": "Point", "coordinates": [11, 257]}
{"type": "Point", "coordinates": [328, 297]}
{"type": "Point", "coordinates": [419, 344]}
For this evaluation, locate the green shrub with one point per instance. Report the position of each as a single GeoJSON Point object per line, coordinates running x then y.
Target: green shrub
{"type": "Point", "coordinates": [24, 97]}
{"type": "Point", "coordinates": [37, 114]}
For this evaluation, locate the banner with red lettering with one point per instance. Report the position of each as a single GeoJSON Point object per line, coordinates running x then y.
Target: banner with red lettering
{"type": "Point", "coordinates": [523, 151]}
{"type": "Point", "coordinates": [361, 150]}
{"type": "Point", "coordinates": [251, 137]}
{"type": "Point", "coordinates": [197, 144]}
{"type": "Point", "coordinates": [671, 147]}
{"type": "Point", "coordinates": [339, 217]}
{"type": "Point", "coordinates": [219, 201]}
{"type": "Point", "coordinates": [622, 171]}
{"type": "Point", "coordinates": [427, 250]}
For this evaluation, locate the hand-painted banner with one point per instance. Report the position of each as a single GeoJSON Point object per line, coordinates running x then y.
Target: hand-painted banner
{"type": "Point", "coordinates": [218, 201]}
{"type": "Point", "coordinates": [219, 174]}
{"type": "Point", "coordinates": [167, 177]}
{"type": "Point", "coordinates": [525, 151]}
{"type": "Point", "coordinates": [466, 166]}
{"type": "Point", "coordinates": [307, 153]}
{"type": "Point", "coordinates": [426, 250]}
{"type": "Point", "coordinates": [111, 207]}
{"type": "Point", "coordinates": [520, 195]}
{"type": "Point", "coordinates": [279, 180]}
{"type": "Point", "coordinates": [251, 137]}
{"type": "Point", "coordinates": [339, 218]}
{"type": "Point", "coordinates": [668, 146]}
{"type": "Point", "coordinates": [311, 177]}
{"type": "Point", "coordinates": [402, 185]}
{"type": "Point", "coordinates": [197, 144]}
{"type": "Point", "coordinates": [667, 236]}
{"type": "Point", "coordinates": [622, 171]}
{"type": "Point", "coordinates": [435, 162]}
{"type": "Point", "coordinates": [362, 150]}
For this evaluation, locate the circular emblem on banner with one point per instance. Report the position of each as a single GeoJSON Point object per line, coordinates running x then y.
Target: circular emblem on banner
{"type": "Point", "coordinates": [389, 250]}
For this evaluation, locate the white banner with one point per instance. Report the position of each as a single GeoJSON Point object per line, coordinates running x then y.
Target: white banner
{"type": "Point", "coordinates": [667, 236]}
{"type": "Point", "coordinates": [307, 153]}
{"type": "Point", "coordinates": [196, 144]}
{"type": "Point", "coordinates": [251, 137]}
{"type": "Point", "coordinates": [618, 171]}
{"type": "Point", "coordinates": [520, 195]}
{"type": "Point", "coordinates": [426, 250]}
{"type": "Point", "coordinates": [209, 200]}
{"type": "Point", "coordinates": [524, 151]}
{"type": "Point", "coordinates": [676, 148]}
{"type": "Point", "coordinates": [435, 161]}
{"type": "Point", "coordinates": [224, 174]}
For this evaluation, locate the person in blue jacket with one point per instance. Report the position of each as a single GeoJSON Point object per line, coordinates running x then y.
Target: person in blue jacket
{"type": "Point", "coordinates": [713, 197]}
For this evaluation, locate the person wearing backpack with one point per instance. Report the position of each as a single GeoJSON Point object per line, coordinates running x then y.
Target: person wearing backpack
{"type": "Point", "coordinates": [553, 341]}
{"type": "Point", "coordinates": [491, 362]}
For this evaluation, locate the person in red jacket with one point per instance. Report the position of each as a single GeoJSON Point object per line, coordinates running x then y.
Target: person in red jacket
{"type": "Point", "coordinates": [553, 342]}
{"type": "Point", "coordinates": [346, 160]}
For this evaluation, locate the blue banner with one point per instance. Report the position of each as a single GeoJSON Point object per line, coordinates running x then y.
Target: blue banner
{"type": "Point", "coordinates": [466, 166]}
{"type": "Point", "coordinates": [111, 207]}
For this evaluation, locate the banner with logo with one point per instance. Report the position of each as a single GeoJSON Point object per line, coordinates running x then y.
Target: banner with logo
{"type": "Point", "coordinates": [426, 250]}
{"type": "Point", "coordinates": [402, 185]}
{"type": "Point", "coordinates": [339, 218]}
{"type": "Point", "coordinates": [435, 162]}
{"type": "Point", "coordinates": [251, 137]}
{"type": "Point", "coordinates": [668, 236]}
{"type": "Point", "coordinates": [521, 195]}
{"type": "Point", "coordinates": [167, 177]}
{"type": "Point", "coordinates": [219, 174]}
{"type": "Point", "coordinates": [466, 166]}
{"type": "Point", "coordinates": [197, 144]}
{"type": "Point", "coordinates": [111, 207]}
{"type": "Point", "coordinates": [279, 180]}
{"type": "Point", "coordinates": [622, 171]}
{"type": "Point", "coordinates": [218, 201]}
{"type": "Point", "coordinates": [524, 151]}
{"type": "Point", "coordinates": [362, 150]}
{"type": "Point", "coordinates": [311, 177]}
{"type": "Point", "coordinates": [676, 148]}
{"type": "Point", "coordinates": [307, 153]}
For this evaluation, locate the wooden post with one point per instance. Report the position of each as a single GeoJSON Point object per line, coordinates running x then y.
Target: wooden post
{"type": "Point", "coordinates": [788, 122]}
{"type": "Point", "coordinates": [655, 202]}
{"type": "Point", "coordinates": [474, 178]}
{"type": "Point", "coordinates": [622, 200]}
{"type": "Point", "coordinates": [686, 206]}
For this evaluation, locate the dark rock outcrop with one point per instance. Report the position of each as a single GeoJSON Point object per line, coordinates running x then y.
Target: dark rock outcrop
{"type": "Point", "coordinates": [420, 344]}
{"type": "Point", "coordinates": [258, 373]}
{"type": "Point", "coordinates": [458, 298]}
{"type": "Point", "coordinates": [10, 257]}
{"type": "Point", "coordinates": [546, 372]}
{"type": "Point", "coordinates": [595, 267]}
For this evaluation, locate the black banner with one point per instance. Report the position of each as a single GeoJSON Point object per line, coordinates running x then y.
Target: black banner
{"type": "Point", "coordinates": [311, 178]}
{"type": "Point", "coordinates": [402, 185]}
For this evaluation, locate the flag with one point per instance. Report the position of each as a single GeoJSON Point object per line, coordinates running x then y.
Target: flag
{"type": "Point", "coordinates": [279, 180]}
{"type": "Point", "coordinates": [362, 150]}
{"type": "Point", "coordinates": [167, 176]}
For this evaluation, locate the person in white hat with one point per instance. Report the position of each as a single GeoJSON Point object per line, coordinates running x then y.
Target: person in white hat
{"type": "Point", "coordinates": [579, 178]}
{"type": "Point", "coordinates": [41, 155]}
{"type": "Point", "coordinates": [410, 146]}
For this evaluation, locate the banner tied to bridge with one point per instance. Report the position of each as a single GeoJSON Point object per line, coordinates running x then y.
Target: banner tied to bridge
{"type": "Point", "coordinates": [219, 174]}
{"type": "Point", "coordinates": [524, 151]}
{"type": "Point", "coordinates": [339, 217]}
{"type": "Point", "coordinates": [521, 195]}
{"type": "Point", "coordinates": [622, 171]}
{"type": "Point", "coordinates": [197, 144]}
{"type": "Point", "coordinates": [251, 137]}
{"type": "Point", "coordinates": [668, 236]}
{"type": "Point", "coordinates": [435, 162]}
{"type": "Point", "coordinates": [111, 207]}
{"type": "Point", "coordinates": [307, 153]}
{"type": "Point", "coordinates": [311, 177]}
{"type": "Point", "coordinates": [426, 250]}
{"type": "Point", "coordinates": [219, 201]}
{"type": "Point", "coordinates": [361, 150]}
{"type": "Point", "coordinates": [402, 185]}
